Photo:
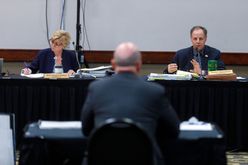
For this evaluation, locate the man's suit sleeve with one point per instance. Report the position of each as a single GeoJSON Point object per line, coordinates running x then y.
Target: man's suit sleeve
{"type": "Point", "coordinates": [220, 63]}
{"type": "Point", "coordinates": [215, 54]}
{"type": "Point", "coordinates": [87, 114]}
{"type": "Point", "coordinates": [174, 60]}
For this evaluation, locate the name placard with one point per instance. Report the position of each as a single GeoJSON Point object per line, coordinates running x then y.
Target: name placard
{"type": "Point", "coordinates": [56, 76]}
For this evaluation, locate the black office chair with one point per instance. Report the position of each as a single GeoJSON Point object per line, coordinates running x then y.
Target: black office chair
{"type": "Point", "coordinates": [119, 142]}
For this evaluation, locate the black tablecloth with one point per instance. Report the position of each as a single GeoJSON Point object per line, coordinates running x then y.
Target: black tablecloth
{"type": "Point", "coordinates": [222, 102]}
{"type": "Point", "coordinates": [67, 146]}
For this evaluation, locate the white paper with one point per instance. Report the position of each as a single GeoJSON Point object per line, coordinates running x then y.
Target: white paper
{"type": "Point", "coordinates": [37, 75]}
{"type": "Point", "coordinates": [95, 69]}
{"type": "Point", "coordinates": [240, 78]}
{"type": "Point", "coordinates": [201, 126]}
{"type": "Point", "coordinates": [181, 72]}
{"type": "Point", "coordinates": [60, 124]}
{"type": "Point", "coordinates": [157, 76]}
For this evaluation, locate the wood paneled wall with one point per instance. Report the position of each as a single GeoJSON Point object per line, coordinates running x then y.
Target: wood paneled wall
{"type": "Point", "coordinates": [18, 55]}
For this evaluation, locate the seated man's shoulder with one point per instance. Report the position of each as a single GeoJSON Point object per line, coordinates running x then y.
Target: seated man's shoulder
{"type": "Point", "coordinates": [184, 50]}
{"type": "Point", "coordinates": [212, 49]}
{"type": "Point", "coordinates": [101, 82]}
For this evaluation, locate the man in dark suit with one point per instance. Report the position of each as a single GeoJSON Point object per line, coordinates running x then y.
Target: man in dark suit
{"type": "Point", "coordinates": [125, 95]}
{"type": "Point", "coordinates": [195, 58]}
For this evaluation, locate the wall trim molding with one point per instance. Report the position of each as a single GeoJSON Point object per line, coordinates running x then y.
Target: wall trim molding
{"type": "Point", "coordinates": [149, 57]}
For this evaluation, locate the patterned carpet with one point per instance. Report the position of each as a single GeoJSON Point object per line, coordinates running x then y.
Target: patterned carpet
{"type": "Point", "coordinates": [237, 158]}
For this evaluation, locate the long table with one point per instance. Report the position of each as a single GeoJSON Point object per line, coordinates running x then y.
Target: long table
{"type": "Point", "coordinates": [222, 102]}
{"type": "Point", "coordinates": [45, 146]}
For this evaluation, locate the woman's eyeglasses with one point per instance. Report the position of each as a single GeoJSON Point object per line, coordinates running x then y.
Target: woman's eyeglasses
{"type": "Point", "coordinates": [56, 43]}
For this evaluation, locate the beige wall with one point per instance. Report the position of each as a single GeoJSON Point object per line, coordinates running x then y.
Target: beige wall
{"type": "Point", "coordinates": [152, 25]}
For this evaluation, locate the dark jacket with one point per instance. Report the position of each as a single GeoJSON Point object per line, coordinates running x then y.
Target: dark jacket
{"type": "Point", "coordinates": [184, 56]}
{"type": "Point", "coordinates": [44, 61]}
{"type": "Point", "coordinates": [125, 95]}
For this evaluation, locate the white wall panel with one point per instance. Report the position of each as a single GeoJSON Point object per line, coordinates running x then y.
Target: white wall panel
{"type": "Point", "coordinates": [155, 25]}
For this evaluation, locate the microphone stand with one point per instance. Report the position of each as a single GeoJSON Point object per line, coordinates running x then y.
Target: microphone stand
{"type": "Point", "coordinates": [80, 54]}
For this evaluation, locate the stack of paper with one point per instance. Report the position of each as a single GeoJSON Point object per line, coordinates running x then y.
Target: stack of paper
{"type": "Point", "coordinates": [157, 76]}
{"type": "Point", "coordinates": [97, 72]}
{"type": "Point", "coordinates": [95, 69]}
{"type": "Point", "coordinates": [193, 124]}
{"type": "Point", "coordinates": [181, 72]}
{"type": "Point", "coordinates": [59, 124]}
{"type": "Point", "coordinates": [37, 75]}
{"type": "Point", "coordinates": [201, 126]}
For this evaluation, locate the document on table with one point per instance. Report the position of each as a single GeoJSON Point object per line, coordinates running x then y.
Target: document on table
{"type": "Point", "coordinates": [241, 78]}
{"type": "Point", "coordinates": [201, 126]}
{"type": "Point", "coordinates": [37, 75]}
{"type": "Point", "coordinates": [43, 124]}
{"type": "Point", "coordinates": [158, 76]}
{"type": "Point", "coordinates": [96, 69]}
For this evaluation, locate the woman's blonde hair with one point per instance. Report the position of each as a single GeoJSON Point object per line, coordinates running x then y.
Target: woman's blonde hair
{"type": "Point", "coordinates": [63, 36]}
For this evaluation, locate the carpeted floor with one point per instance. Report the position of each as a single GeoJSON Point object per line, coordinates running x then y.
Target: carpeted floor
{"type": "Point", "coordinates": [237, 158]}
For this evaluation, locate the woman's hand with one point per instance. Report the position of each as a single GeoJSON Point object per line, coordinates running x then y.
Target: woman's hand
{"type": "Point", "coordinates": [70, 72]}
{"type": "Point", "coordinates": [26, 71]}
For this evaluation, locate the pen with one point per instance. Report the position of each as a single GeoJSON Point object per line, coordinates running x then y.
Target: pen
{"type": "Point", "coordinates": [26, 70]}
{"type": "Point", "coordinates": [25, 64]}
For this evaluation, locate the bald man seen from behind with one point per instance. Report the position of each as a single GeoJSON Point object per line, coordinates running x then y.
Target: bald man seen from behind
{"type": "Point", "coordinates": [125, 95]}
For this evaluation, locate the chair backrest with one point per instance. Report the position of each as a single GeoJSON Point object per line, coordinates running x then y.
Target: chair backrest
{"type": "Point", "coordinates": [120, 141]}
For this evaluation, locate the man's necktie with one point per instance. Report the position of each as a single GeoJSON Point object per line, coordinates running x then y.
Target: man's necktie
{"type": "Point", "coordinates": [198, 58]}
